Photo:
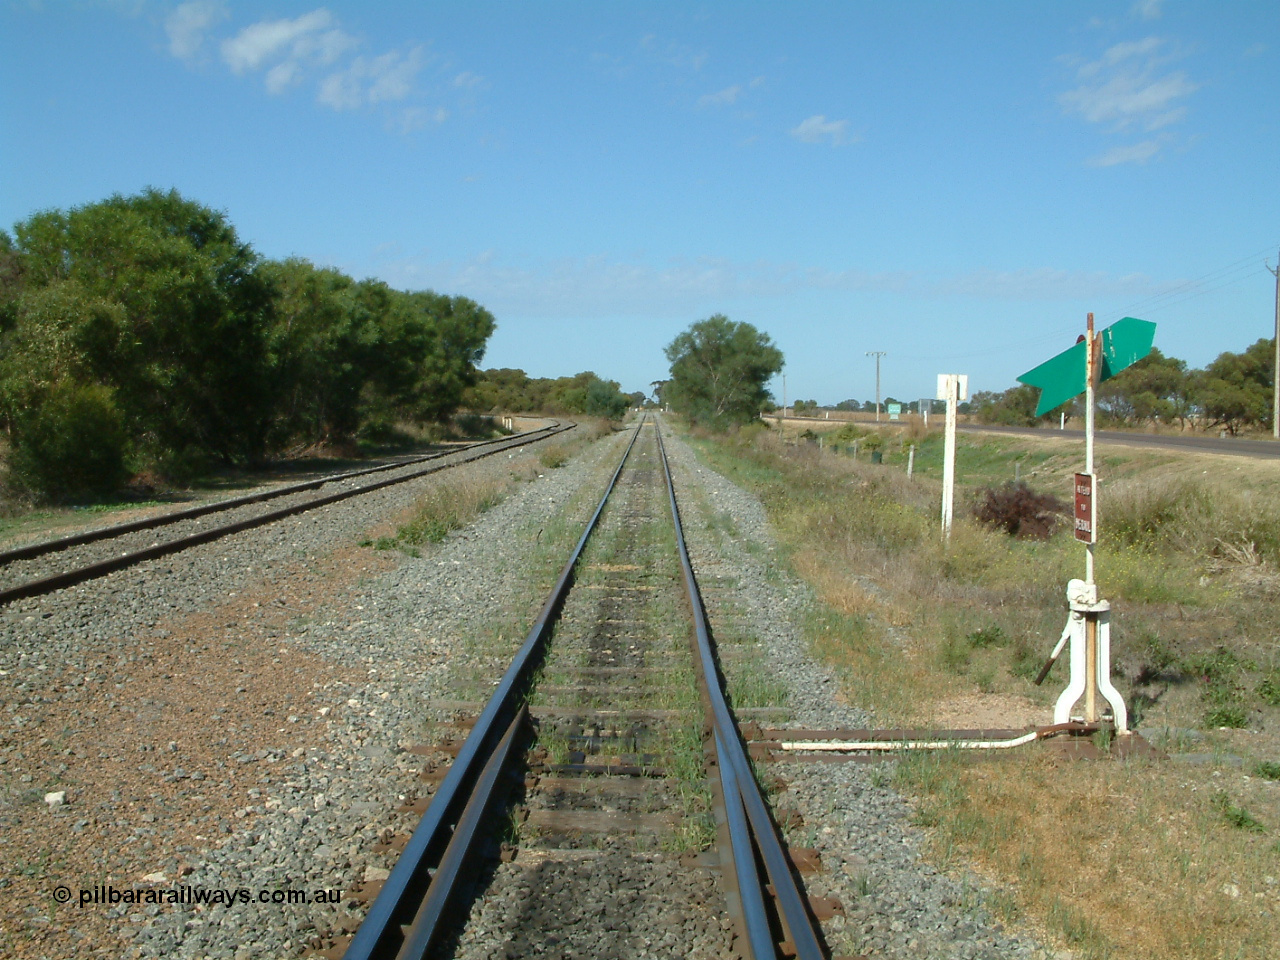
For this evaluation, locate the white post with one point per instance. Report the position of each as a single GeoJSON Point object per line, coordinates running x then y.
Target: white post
{"type": "Point", "coordinates": [911, 460]}
{"type": "Point", "coordinates": [951, 387]}
{"type": "Point", "coordinates": [1089, 375]}
{"type": "Point", "coordinates": [949, 460]}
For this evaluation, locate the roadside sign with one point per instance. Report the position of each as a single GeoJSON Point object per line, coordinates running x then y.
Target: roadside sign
{"type": "Point", "coordinates": [1086, 512]}
{"type": "Point", "coordinates": [947, 382]}
{"type": "Point", "coordinates": [895, 411]}
{"type": "Point", "coordinates": [1061, 378]}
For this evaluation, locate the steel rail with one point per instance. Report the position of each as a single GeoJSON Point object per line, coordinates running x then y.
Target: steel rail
{"type": "Point", "coordinates": [755, 917]}
{"type": "Point", "coordinates": [794, 912]}
{"type": "Point", "coordinates": [380, 936]}
{"type": "Point", "coordinates": [426, 922]}
{"type": "Point", "coordinates": [43, 547]}
{"type": "Point", "coordinates": [91, 571]}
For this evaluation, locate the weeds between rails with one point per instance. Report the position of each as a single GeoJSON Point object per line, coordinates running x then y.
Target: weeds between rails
{"type": "Point", "coordinates": [397, 900]}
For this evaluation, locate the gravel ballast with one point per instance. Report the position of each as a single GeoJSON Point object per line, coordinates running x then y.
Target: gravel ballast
{"type": "Point", "coordinates": [236, 717]}
{"type": "Point", "coordinates": [226, 717]}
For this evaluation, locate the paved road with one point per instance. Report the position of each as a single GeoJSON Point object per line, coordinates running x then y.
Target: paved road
{"type": "Point", "coordinates": [1230, 446]}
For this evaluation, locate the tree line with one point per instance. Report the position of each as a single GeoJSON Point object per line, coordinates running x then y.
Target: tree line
{"type": "Point", "coordinates": [1234, 393]}
{"type": "Point", "coordinates": [584, 394]}
{"type": "Point", "coordinates": [141, 333]}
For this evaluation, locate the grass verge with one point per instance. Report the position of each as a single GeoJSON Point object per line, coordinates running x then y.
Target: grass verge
{"type": "Point", "coordinates": [1132, 859]}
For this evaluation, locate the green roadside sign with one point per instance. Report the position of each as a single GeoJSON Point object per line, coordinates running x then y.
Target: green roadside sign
{"type": "Point", "coordinates": [1061, 378]}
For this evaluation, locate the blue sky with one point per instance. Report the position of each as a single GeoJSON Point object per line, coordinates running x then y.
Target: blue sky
{"type": "Point", "coordinates": [955, 184]}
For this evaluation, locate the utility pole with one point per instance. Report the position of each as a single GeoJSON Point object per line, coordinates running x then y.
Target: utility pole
{"type": "Point", "coordinates": [784, 396]}
{"type": "Point", "coordinates": [1275, 382]}
{"type": "Point", "coordinates": [877, 354]}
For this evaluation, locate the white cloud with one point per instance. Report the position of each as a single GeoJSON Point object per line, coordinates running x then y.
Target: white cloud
{"type": "Point", "coordinates": [187, 25]}
{"type": "Point", "coordinates": [1131, 88]}
{"type": "Point", "coordinates": [312, 39]}
{"type": "Point", "coordinates": [259, 42]}
{"type": "Point", "coordinates": [818, 128]}
{"type": "Point", "coordinates": [416, 118]}
{"type": "Point", "coordinates": [315, 49]}
{"type": "Point", "coordinates": [372, 80]}
{"type": "Point", "coordinates": [1148, 9]}
{"type": "Point", "coordinates": [341, 91]}
{"type": "Point", "coordinates": [1134, 153]}
{"type": "Point", "coordinates": [1125, 88]}
{"type": "Point", "coordinates": [282, 76]}
{"type": "Point", "coordinates": [722, 98]}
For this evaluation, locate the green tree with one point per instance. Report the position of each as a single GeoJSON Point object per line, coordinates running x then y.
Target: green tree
{"type": "Point", "coordinates": [185, 353]}
{"type": "Point", "coordinates": [1155, 388]}
{"type": "Point", "coordinates": [1015, 407]}
{"type": "Point", "coordinates": [67, 431]}
{"type": "Point", "coordinates": [1235, 390]}
{"type": "Point", "coordinates": [605, 399]}
{"type": "Point", "coordinates": [359, 355]}
{"type": "Point", "coordinates": [513, 390]}
{"type": "Point", "coordinates": [442, 339]}
{"type": "Point", "coordinates": [324, 339]}
{"type": "Point", "coordinates": [719, 369]}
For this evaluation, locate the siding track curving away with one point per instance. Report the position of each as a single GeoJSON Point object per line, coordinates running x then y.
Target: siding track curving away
{"type": "Point", "coordinates": [24, 570]}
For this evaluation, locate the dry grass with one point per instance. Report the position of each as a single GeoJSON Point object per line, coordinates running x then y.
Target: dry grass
{"type": "Point", "coordinates": [454, 501]}
{"type": "Point", "coordinates": [1120, 860]}
{"type": "Point", "coordinates": [1116, 860]}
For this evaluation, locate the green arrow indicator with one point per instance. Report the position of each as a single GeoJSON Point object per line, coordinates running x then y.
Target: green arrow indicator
{"type": "Point", "coordinates": [1124, 343]}
{"type": "Point", "coordinates": [1061, 378]}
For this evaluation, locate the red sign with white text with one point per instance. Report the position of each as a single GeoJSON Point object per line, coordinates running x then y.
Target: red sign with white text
{"type": "Point", "coordinates": [1086, 515]}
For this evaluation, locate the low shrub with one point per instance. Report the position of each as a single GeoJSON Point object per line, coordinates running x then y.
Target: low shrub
{"type": "Point", "coordinates": [1019, 511]}
{"type": "Point", "coordinates": [1235, 815]}
{"type": "Point", "coordinates": [988, 637]}
{"type": "Point", "coordinates": [553, 456]}
{"type": "Point", "coordinates": [1269, 689]}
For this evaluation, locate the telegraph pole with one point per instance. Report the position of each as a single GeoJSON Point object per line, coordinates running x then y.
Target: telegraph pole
{"type": "Point", "coordinates": [1275, 382]}
{"type": "Point", "coordinates": [877, 354]}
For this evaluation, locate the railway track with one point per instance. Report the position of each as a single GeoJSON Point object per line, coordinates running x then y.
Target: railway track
{"type": "Point", "coordinates": [40, 568]}
{"type": "Point", "coordinates": [607, 758]}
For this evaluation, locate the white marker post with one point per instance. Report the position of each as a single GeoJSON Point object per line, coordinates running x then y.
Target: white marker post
{"type": "Point", "coordinates": [952, 387]}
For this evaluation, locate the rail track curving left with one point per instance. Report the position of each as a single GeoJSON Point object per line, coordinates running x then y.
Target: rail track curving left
{"type": "Point", "coordinates": [23, 570]}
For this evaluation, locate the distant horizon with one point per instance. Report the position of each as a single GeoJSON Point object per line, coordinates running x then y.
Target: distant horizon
{"type": "Point", "coordinates": [954, 185]}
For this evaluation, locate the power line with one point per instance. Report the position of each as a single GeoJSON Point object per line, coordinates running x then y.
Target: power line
{"type": "Point", "coordinates": [1188, 289]}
